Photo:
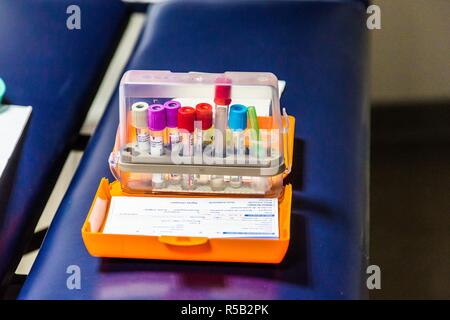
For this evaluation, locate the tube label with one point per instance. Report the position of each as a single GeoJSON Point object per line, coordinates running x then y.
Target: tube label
{"type": "Point", "coordinates": [156, 146]}
{"type": "Point", "coordinates": [142, 139]}
{"type": "Point", "coordinates": [188, 145]}
{"type": "Point", "coordinates": [174, 138]}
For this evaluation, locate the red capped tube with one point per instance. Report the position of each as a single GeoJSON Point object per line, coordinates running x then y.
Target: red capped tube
{"type": "Point", "coordinates": [186, 118]}
{"type": "Point", "coordinates": [222, 94]}
{"type": "Point", "coordinates": [203, 113]}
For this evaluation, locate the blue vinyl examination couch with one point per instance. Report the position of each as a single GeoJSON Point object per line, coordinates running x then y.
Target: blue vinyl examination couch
{"type": "Point", "coordinates": [320, 49]}
{"type": "Point", "coordinates": [56, 71]}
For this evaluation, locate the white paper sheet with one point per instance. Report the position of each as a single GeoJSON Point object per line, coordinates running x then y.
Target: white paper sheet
{"type": "Point", "coordinates": [12, 123]}
{"type": "Point", "coordinates": [193, 217]}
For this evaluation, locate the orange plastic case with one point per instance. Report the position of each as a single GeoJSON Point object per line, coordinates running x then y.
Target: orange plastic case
{"type": "Point", "coordinates": [252, 250]}
{"type": "Point", "coordinates": [186, 248]}
{"type": "Point", "coordinates": [180, 248]}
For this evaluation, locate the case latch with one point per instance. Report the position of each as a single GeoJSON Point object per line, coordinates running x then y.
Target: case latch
{"type": "Point", "coordinates": [183, 241]}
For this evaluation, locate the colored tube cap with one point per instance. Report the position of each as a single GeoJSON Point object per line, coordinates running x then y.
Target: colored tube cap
{"type": "Point", "coordinates": [2, 90]}
{"type": "Point", "coordinates": [172, 107]}
{"type": "Point", "coordinates": [139, 115]}
{"type": "Point", "coordinates": [186, 118]}
{"type": "Point", "coordinates": [203, 113]}
{"type": "Point", "coordinates": [253, 122]}
{"type": "Point", "coordinates": [252, 117]}
{"type": "Point", "coordinates": [222, 94]}
{"type": "Point", "coordinates": [156, 117]}
{"type": "Point", "coordinates": [238, 117]}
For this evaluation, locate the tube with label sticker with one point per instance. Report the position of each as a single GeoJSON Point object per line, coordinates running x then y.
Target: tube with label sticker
{"type": "Point", "coordinates": [257, 150]}
{"type": "Point", "coordinates": [203, 128]}
{"type": "Point", "coordinates": [217, 182]}
{"type": "Point", "coordinates": [173, 133]}
{"type": "Point", "coordinates": [238, 123]}
{"type": "Point", "coordinates": [157, 125]}
{"type": "Point", "coordinates": [186, 118]}
{"type": "Point", "coordinates": [222, 99]}
{"type": "Point", "coordinates": [139, 122]}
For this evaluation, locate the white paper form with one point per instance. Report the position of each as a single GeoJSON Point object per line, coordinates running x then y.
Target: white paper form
{"type": "Point", "coordinates": [194, 217]}
{"type": "Point", "coordinates": [12, 122]}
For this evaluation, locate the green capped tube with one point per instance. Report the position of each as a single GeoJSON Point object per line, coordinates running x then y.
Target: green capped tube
{"type": "Point", "coordinates": [255, 139]}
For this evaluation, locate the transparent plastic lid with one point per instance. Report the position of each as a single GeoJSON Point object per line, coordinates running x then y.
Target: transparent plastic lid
{"type": "Point", "coordinates": [193, 122]}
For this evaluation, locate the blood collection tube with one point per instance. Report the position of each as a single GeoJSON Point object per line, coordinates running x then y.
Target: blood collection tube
{"type": "Point", "coordinates": [222, 99]}
{"type": "Point", "coordinates": [173, 133]}
{"type": "Point", "coordinates": [157, 125]}
{"type": "Point", "coordinates": [139, 122]}
{"type": "Point", "coordinates": [217, 182]}
{"type": "Point", "coordinates": [203, 119]}
{"type": "Point", "coordinates": [255, 142]}
{"type": "Point", "coordinates": [260, 184]}
{"type": "Point", "coordinates": [203, 128]}
{"type": "Point", "coordinates": [172, 123]}
{"type": "Point", "coordinates": [238, 123]}
{"type": "Point", "coordinates": [186, 118]}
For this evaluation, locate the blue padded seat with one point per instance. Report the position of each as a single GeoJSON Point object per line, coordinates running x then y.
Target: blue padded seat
{"type": "Point", "coordinates": [57, 71]}
{"type": "Point", "coordinates": [320, 49]}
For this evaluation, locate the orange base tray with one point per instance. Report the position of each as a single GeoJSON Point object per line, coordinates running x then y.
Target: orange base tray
{"type": "Point", "coordinates": [251, 250]}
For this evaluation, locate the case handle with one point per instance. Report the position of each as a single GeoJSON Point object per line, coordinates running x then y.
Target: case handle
{"type": "Point", "coordinates": [183, 241]}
